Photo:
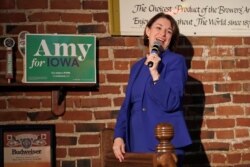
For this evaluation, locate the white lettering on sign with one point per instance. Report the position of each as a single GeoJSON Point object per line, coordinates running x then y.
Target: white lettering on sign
{"type": "Point", "coordinates": [67, 50]}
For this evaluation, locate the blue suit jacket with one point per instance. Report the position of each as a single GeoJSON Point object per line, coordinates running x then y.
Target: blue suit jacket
{"type": "Point", "coordinates": [168, 93]}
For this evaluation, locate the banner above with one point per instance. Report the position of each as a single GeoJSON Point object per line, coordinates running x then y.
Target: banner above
{"type": "Point", "coordinates": [194, 17]}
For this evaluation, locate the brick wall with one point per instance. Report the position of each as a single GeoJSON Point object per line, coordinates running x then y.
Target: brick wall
{"type": "Point", "coordinates": [217, 95]}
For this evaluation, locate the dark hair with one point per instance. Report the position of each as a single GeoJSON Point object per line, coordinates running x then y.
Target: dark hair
{"type": "Point", "coordinates": [176, 33]}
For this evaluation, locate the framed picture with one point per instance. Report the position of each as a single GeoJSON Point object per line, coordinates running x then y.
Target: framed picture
{"type": "Point", "coordinates": [27, 146]}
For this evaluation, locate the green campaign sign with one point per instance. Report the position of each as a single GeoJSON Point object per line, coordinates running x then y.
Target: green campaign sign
{"type": "Point", "coordinates": [60, 59]}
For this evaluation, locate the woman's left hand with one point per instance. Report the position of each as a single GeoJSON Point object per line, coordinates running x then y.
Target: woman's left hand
{"type": "Point", "coordinates": [155, 59]}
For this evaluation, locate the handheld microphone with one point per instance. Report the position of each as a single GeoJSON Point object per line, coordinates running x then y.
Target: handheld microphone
{"type": "Point", "coordinates": [156, 49]}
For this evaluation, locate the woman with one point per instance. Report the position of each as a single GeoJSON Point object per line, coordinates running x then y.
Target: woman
{"type": "Point", "coordinates": [154, 94]}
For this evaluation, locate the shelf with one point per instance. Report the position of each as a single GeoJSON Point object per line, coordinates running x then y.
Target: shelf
{"type": "Point", "coordinates": [58, 92]}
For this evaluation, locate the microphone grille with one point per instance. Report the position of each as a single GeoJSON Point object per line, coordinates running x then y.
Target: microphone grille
{"type": "Point", "coordinates": [158, 43]}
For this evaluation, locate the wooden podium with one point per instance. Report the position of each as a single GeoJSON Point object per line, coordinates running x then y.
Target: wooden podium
{"type": "Point", "coordinates": [164, 156]}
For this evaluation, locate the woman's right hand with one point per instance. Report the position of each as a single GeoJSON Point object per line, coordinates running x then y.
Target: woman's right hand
{"type": "Point", "coordinates": [119, 148]}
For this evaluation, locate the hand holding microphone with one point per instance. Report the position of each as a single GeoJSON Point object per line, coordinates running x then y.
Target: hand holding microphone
{"type": "Point", "coordinates": [156, 49]}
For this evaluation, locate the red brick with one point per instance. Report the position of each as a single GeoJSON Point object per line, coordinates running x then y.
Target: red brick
{"type": "Point", "coordinates": [127, 53]}
{"type": "Point", "coordinates": [46, 103]}
{"type": "Point", "coordinates": [220, 52]}
{"type": "Point", "coordinates": [228, 41]}
{"type": "Point", "coordinates": [111, 125]}
{"type": "Point", "coordinates": [234, 158]}
{"type": "Point", "coordinates": [225, 134]}
{"type": "Point", "coordinates": [214, 64]}
{"type": "Point", "coordinates": [246, 157]}
{"type": "Point", "coordinates": [94, 102]}
{"type": "Point", "coordinates": [241, 133]}
{"type": "Point", "coordinates": [22, 103]}
{"type": "Point", "coordinates": [16, 29]}
{"type": "Point", "coordinates": [102, 78]}
{"type": "Point", "coordinates": [89, 139]}
{"type": "Point", "coordinates": [196, 64]}
{"type": "Point", "coordinates": [206, 77]}
{"type": "Point", "coordinates": [207, 88]}
{"type": "Point", "coordinates": [216, 146]}
{"type": "Point", "coordinates": [96, 162]}
{"type": "Point", "coordinates": [201, 40]}
{"type": "Point", "coordinates": [118, 101]}
{"type": "Point", "coordinates": [214, 99]}
{"type": "Point", "coordinates": [197, 52]}
{"type": "Point", "coordinates": [13, 116]}
{"type": "Point", "coordinates": [44, 94]}
{"type": "Point", "coordinates": [71, 101]}
{"type": "Point", "coordinates": [247, 40]}
{"type": "Point", "coordinates": [41, 116]}
{"type": "Point", "coordinates": [229, 87]}
{"type": "Point", "coordinates": [76, 17]}
{"type": "Point", "coordinates": [1, 30]}
{"type": "Point", "coordinates": [103, 53]}
{"type": "Point", "coordinates": [89, 127]}
{"type": "Point", "coordinates": [61, 29]}
{"type": "Point", "coordinates": [41, 29]}
{"type": "Point", "coordinates": [219, 158]}
{"type": "Point", "coordinates": [104, 115]}
{"type": "Point", "coordinates": [7, 4]}
{"type": "Point", "coordinates": [83, 152]}
{"type": "Point", "coordinates": [241, 98]}
{"type": "Point", "coordinates": [61, 152]}
{"type": "Point", "coordinates": [26, 4]}
{"type": "Point", "coordinates": [243, 144]}
{"type": "Point", "coordinates": [121, 65]}
{"type": "Point", "coordinates": [228, 64]}
{"type": "Point", "coordinates": [132, 41]}
{"type": "Point", "coordinates": [66, 140]}
{"type": "Point", "coordinates": [207, 134]}
{"type": "Point", "coordinates": [239, 76]}
{"type": "Point", "coordinates": [77, 115]}
{"type": "Point", "coordinates": [65, 4]}
{"type": "Point", "coordinates": [106, 89]}
{"type": "Point", "coordinates": [118, 78]}
{"type": "Point", "coordinates": [3, 104]}
{"type": "Point", "coordinates": [247, 111]}
{"type": "Point", "coordinates": [77, 93]}
{"type": "Point", "coordinates": [245, 52]}
{"type": "Point", "coordinates": [220, 123]}
{"type": "Point", "coordinates": [101, 17]}
{"type": "Point", "coordinates": [229, 110]}
{"type": "Point", "coordinates": [95, 5]}
{"type": "Point", "coordinates": [64, 128]}
{"type": "Point", "coordinates": [105, 65]}
{"type": "Point", "coordinates": [44, 16]}
{"type": "Point", "coordinates": [108, 41]}
{"type": "Point", "coordinates": [91, 28]}
{"type": "Point", "coordinates": [243, 122]}
{"type": "Point", "coordinates": [241, 64]}
{"type": "Point", "coordinates": [12, 17]}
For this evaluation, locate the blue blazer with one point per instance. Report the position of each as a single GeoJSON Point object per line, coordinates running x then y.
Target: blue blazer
{"type": "Point", "coordinates": [168, 92]}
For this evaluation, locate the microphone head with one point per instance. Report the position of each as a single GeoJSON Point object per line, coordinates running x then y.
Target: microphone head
{"type": "Point", "coordinates": [157, 47]}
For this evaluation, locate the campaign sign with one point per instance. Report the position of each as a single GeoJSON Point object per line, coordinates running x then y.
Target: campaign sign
{"type": "Point", "coordinates": [56, 58]}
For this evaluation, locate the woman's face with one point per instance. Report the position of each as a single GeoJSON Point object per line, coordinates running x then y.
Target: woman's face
{"type": "Point", "coordinates": [160, 30]}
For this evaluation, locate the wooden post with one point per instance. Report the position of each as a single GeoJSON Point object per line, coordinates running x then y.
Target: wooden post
{"type": "Point", "coordinates": [166, 157]}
